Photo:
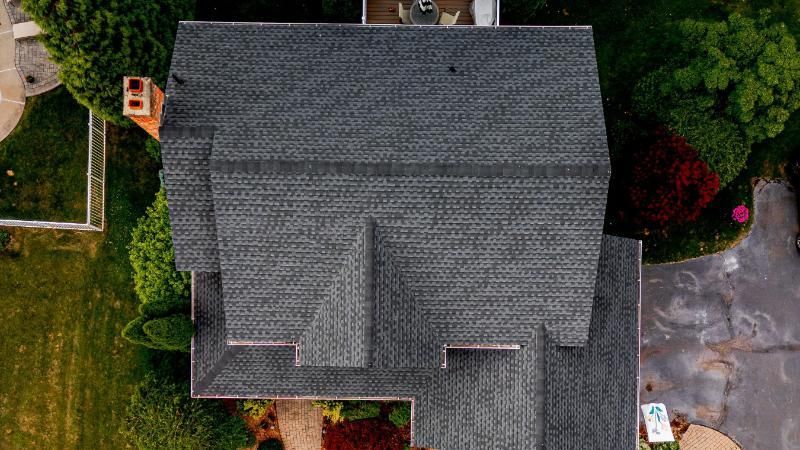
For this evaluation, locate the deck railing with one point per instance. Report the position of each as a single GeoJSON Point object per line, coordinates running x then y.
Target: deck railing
{"type": "Point", "coordinates": [95, 189]}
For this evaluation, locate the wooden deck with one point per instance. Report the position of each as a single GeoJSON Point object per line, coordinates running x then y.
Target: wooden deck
{"type": "Point", "coordinates": [385, 11]}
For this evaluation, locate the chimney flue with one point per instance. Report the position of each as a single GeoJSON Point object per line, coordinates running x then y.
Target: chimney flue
{"type": "Point", "coordinates": [142, 103]}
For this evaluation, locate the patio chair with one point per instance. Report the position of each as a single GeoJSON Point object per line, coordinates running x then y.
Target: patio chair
{"type": "Point", "coordinates": [448, 19]}
{"type": "Point", "coordinates": [405, 14]}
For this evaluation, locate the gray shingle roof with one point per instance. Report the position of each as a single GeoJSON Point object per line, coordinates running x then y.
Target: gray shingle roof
{"type": "Point", "coordinates": [335, 188]}
{"type": "Point", "coordinates": [376, 93]}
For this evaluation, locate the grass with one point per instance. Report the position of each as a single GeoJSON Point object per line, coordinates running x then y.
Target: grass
{"type": "Point", "coordinates": [68, 373]}
{"type": "Point", "coordinates": [631, 40]}
{"type": "Point", "coordinates": [48, 155]}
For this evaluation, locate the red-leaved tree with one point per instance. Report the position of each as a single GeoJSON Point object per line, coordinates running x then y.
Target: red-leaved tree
{"type": "Point", "coordinates": [670, 184]}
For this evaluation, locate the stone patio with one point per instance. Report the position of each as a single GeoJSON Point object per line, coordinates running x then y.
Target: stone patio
{"type": "Point", "coordinates": [300, 424]}
{"type": "Point", "coordinates": [32, 58]}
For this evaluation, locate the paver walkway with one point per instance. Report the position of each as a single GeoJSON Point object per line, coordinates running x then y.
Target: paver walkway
{"type": "Point", "coordinates": [12, 89]}
{"type": "Point", "coordinates": [300, 424]}
{"type": "Point", "coordinates": [721, 334]}
{"type": "Point", "coordinates": [698, 437]}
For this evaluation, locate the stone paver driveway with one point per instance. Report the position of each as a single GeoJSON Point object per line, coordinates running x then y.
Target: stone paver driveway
{"type": "Point", "coordinates": [721, 334]}
{"type": "Point", "coordinates": [300, 424]}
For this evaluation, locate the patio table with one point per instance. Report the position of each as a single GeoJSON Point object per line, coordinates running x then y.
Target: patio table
{"type": "Point", "coordinates": [418, 18]}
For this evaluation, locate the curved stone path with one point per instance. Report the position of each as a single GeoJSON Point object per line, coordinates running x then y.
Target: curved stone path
{"type": "Point", "coordinates": [698, 437]}
{"type": "Point", "coordinates": [12, 89]}
{"type": "Point", "coordinates": [721, 333]}
{"type": "Point", "coordinates": [300, 424]}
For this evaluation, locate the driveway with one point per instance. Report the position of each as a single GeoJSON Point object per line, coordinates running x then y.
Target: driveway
{"type": "Point", "coordinates": [721, 334]}
{"type": "Point", "coordinates": [12, 90]}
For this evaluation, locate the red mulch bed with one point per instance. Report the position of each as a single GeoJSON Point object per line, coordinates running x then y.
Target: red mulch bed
{"type": "Point", "coordinates": [369, 434]}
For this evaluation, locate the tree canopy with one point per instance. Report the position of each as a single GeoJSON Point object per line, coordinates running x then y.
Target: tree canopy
{"type": "Point", "coordinates": [97, 42]}
{"type": "Point", "coordinates": [162, 415]}
{"type": "Point", "coordinates": [729, 84]}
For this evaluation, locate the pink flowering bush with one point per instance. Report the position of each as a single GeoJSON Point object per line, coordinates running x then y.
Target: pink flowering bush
{"type": "Point", "coordinates": [741, 214]}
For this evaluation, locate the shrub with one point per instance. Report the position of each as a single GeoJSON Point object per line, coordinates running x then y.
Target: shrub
{"type": "Point", "coordinates": [401, 414]}
{"type": "Point", "coordinates": [5, 239]}
{"type": "Point", "coordinates": [370, 434]}
{"type": "Point", "coordinates": [153, 148]}
{"type": "Point", "coordinates": [360, 410]}
{"type": "Point", "coordinates": [272, 444]}
{"type": "Point", "coordinates": [332, 410]}
{"type": "Point", "coordinates": [153, 257]}
{"type": "Point", "coordinates": [172, 333]}
{"type": "Point", "coordinates": [162, 415]}
{"type": "Point", "coordinates": [253, 407]}
{"type": "Point", "coordinates": [670, 184]}
{"type": "Point", "coordinates": [96, 43]}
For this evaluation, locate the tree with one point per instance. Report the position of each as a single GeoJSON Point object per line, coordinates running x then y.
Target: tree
{"type": "Point", "coordinates": [670, 184]}
{"type": "Point", "coordinates": [97, 42]}
{"type": "Point", "coordinates": [162, 415]}
{"type": "Point", "coordinates": [153, 257]}
{"type": "Point", "coordinates": [729, 84]}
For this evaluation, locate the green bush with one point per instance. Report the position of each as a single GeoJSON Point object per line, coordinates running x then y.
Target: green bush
{"type": "Point", "coordinates": [332, 410]}
{"type": "Point", "coordinates": [153, 148]}
{"type": "Point", "coordinates": [272, 444]}
{"type": "Point", "coordinates": [360, 410]}
{"type": "Point", "coordinates": [163, 308]}
{"type": "Point", "coordinates": [254, 408]}
{"type": "Point", "coordinates": [172, 333]}
{"type": "Point", "coordinates": [96, 43]}
{"type": "Point", "coordinates": [153, 257]}
{"type": "Point", "coordinates": [336, 411]}
{"type": "Point", "coordinates": [401, 414]}
{"type": "Point", "coordinates": [5, 239]}
{"type": "Point", "coordinates": [161, 415]}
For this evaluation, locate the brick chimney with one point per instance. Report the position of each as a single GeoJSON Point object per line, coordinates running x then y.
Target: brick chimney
{"type": "Point", "coordinates": [143, 101]}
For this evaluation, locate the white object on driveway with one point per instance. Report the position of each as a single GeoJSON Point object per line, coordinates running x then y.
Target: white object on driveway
{"type": "Point", "coordinates": [25, 30]}
{"type": "Point", "coordinates": [483, 12]}
{"type": "Point", "coordinates": [657, 422]}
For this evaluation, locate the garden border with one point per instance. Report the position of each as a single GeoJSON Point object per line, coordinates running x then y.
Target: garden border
{"type": "Point", "coordinates": [95, 190]}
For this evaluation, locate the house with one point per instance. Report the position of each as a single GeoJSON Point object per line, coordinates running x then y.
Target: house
{"type": "Point", "coordinates": [388, 212]}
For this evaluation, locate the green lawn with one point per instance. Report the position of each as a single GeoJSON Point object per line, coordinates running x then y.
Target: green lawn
{"type": "Point", "coordinates": [64, 298]}
{"type": "Point", "coordinates": [48, 155]}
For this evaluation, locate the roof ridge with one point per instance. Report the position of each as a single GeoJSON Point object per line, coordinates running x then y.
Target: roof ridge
{"type": "Point", "coordinates": [394, 168]}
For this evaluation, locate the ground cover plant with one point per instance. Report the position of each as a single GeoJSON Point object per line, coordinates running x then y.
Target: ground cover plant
{"type": "Point", "coordinates": [66, 297]}
{"type": "Point", "coordinates": [43, 161]}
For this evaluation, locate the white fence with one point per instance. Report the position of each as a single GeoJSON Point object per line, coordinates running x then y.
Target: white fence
{"type": "Point", "coordinates": [95, 192]}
